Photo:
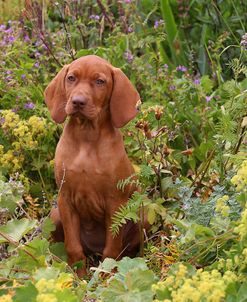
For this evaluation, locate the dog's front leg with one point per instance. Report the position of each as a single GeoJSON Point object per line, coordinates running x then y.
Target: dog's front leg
{"type": "Point", "coordinates": [71, 225]}
{"type": "Point", "coordinates": [114, 244]}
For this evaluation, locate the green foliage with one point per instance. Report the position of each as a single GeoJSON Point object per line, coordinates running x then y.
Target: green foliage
{"type": "Point", "coordinates": [132, 282]}
{"type": "Point", "coordinates": [186, 145]}
{"type": "Point", "coordinates": [11, 192]}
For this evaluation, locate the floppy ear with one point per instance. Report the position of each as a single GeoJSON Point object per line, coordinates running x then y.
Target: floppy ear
{"type": "Point", "coordinates": [124, 99]}
{"type": "Point", "coordinates": [55, 96]}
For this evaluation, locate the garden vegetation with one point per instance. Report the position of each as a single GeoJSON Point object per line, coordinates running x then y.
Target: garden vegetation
{"type": "Point", "coordinates": [187, 59]}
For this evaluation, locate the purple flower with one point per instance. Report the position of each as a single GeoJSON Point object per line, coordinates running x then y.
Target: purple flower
{"type": "Point", "coordinates": [128, 56]}
{"type": "Point", "coordinates": [37, 54]}
{"type": "Point", "coordinates": [11, 39]}
{"type": "Point", "coordinates": [23, 76]}
{"type": "Point", "coordinates": [36, 65]}
{"type": "Point", "coordinates": [8, 71]}
{"type": "Point", "coordinates": [15, 109]}
{"type": "Point", "coordinates": [29, 105]}
{"type": "Point", "coordinates": [127, 1]}
{"type": "Point", "coordinates": [2, 27]}
{"type": "Point", "coordinates": [158, 23]}
{"type": "Point", "coordinates": [2, 120]}
{"type": "Point", "coordinates": [244, 41]}
{"type": "Point", "coordinates": [208, 98]}
{"type": "Point", "coordinates": [130, 29]}
{"type": "Point", "coordinates": [94, 17]}
{"type": "Point", "coordinates": [26, 39]}
{"type": "Point", "coordinates": [9, 30]}
{"type": "Point", "coordinates": [8, 78]}
{"type": "Point", "coordinates": [165, 66]}
{"type": "Point", "coordinates": [172, 87]}
{"type": "Point", "coordinates": [197, 81]}
{"type": "Point", "coordinates": [181, 68]}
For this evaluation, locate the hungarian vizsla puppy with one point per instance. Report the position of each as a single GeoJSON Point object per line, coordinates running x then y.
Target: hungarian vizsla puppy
{"type": "Point", "coordinates": [90, 157]}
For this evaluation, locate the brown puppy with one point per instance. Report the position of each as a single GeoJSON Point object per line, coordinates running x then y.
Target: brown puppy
{"type": "Point", "coordinates": [90, 157]}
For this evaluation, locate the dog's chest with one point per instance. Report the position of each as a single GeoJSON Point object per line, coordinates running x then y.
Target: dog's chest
{"type": "Point", "coordinates": [87, 180]}
{"type": "Point", "coordinates": [84, 167]}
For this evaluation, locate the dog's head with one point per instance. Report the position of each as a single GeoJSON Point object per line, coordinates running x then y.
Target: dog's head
{"type": "Point", "coordinates": [87, 86]}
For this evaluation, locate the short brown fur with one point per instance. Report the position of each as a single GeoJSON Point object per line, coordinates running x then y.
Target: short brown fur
{"type": "Point", "coordinates": [90, 158]}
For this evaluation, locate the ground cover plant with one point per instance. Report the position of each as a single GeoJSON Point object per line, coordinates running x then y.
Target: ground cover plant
{"type": "Point", "coordinates": [188, 146]}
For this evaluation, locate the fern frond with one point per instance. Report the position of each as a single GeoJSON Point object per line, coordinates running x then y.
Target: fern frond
{"type": "Point", "coordinates": [131, 180]}
{"type": "Point", "coordinates": [237, 67]}
{"type": "Point", "coordinates": [146, 171]}
{"type": "Point", "coordinates": [127, 212]}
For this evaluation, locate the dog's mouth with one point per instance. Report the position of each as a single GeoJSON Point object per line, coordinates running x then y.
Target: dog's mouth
{"type": "Point", "coordinates": [83, 113]}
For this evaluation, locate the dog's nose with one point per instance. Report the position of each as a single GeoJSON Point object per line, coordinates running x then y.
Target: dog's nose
{"type": "Point", "coordinates": [79, 101]}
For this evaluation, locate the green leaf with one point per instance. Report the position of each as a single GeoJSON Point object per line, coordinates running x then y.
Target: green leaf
{"type": "Point", "coordinates": [58, 249]}
{"type": "Point", "coordinates": [127, 264]}
{"type": "Point", "coordinates": [202, 59]}
{"type": "Point", "coordinates": [26, 293]}
{"type": "Point", "coordinates": [46, 273]}
{"type": "Point", "coordinates": [47, 227]}
{"type": "Point", "coordinates": [136, 287]}
{"type": "Point", "coordinates": [151, 215]}
{"type": "Point", "coordinates": [16, 229]}
{"type": "Point", "coordinates": [171, 26]}
{"type": "Point", "coordinates": [172, 33]}
{"type": "Point", "coordinates": [242, 293]}
{"type": "Point", "coordinates": [162, 293]}
{"type": "Point", "coordinates": [140, 280]}
{"type": "Point", "coordinates": [207, 84]}
{"type": "Point", "coordinates": [231, 292]}
{"type": "Point", "coordinates": [66, 295]}
{"type": "Point", "coordinates": [38, 247]}
{"type": "Point", "coordinates": [108, 264]}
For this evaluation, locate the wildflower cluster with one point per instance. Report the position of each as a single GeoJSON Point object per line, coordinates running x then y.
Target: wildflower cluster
{"type": "Point", "coordinates": [23, 134]}
{"type": "Point", "coordinates": [241, 229]}
{"type": "Point", "coordinates": [244, 41]}
{"type": "Point", "coordinates": [188, 285]}
{"type": "Point", "coordinates": [222, 207]}
{"type": "Point", "coordinates": [27, 146]}
{"type": "Point", "coordinates": [53, 290]}
{"type": "Point", "coordinates": [6, 298]}
{"type": "Point", "coordinates": [240, 179]}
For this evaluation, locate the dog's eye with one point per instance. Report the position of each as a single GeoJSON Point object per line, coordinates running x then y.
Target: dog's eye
{"type": "Point", "coordinates": [100, 82]}
{"type": "Point", "coordinates": [71, 78]}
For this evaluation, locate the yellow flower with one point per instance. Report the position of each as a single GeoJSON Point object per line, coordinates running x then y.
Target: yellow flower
{"type": "Point", "coordinates": [16, 145]}
{"type": "Point", "coordinates": [21, 129]}
{"type": "Point", "coordinates": [11, 119]}
{"type": "Point", "coordinates": [221, 207]}
{"type": "Point", "coordinates": [1, 150]}
{"type": "Point", "coordinates": [46, 298]}
{"type": "Point", "coordinates": [6, 298]}
{"type": "Point", "coordinates": [240, 179]}
{"type": "Point", "coordinates": [64, 280]}
{"type": "Point", "coordinates": [37, 124]}
{"type": "Point", "coordinates": [44, 285]}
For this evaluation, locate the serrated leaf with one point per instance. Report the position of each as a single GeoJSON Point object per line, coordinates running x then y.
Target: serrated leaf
{"type": "Point", "coordinates": [242, 293]}
{"type": "Point", "coordinates": [47, 227]}
{"type": "Point", "coordinates": [58, 249]}
{"type": "Point", "coordinates": [26, 293]}
{"type": "Point", "coordinates": [127, 264]}
{"type": "Point", "coordinates": [46, 273]}
{"type": "Point", "coordinates": [16, 229]}
{"type": "Point", "coordinates": [151, 215]}
{"type": "Point", "coordinates": [108, 264]}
